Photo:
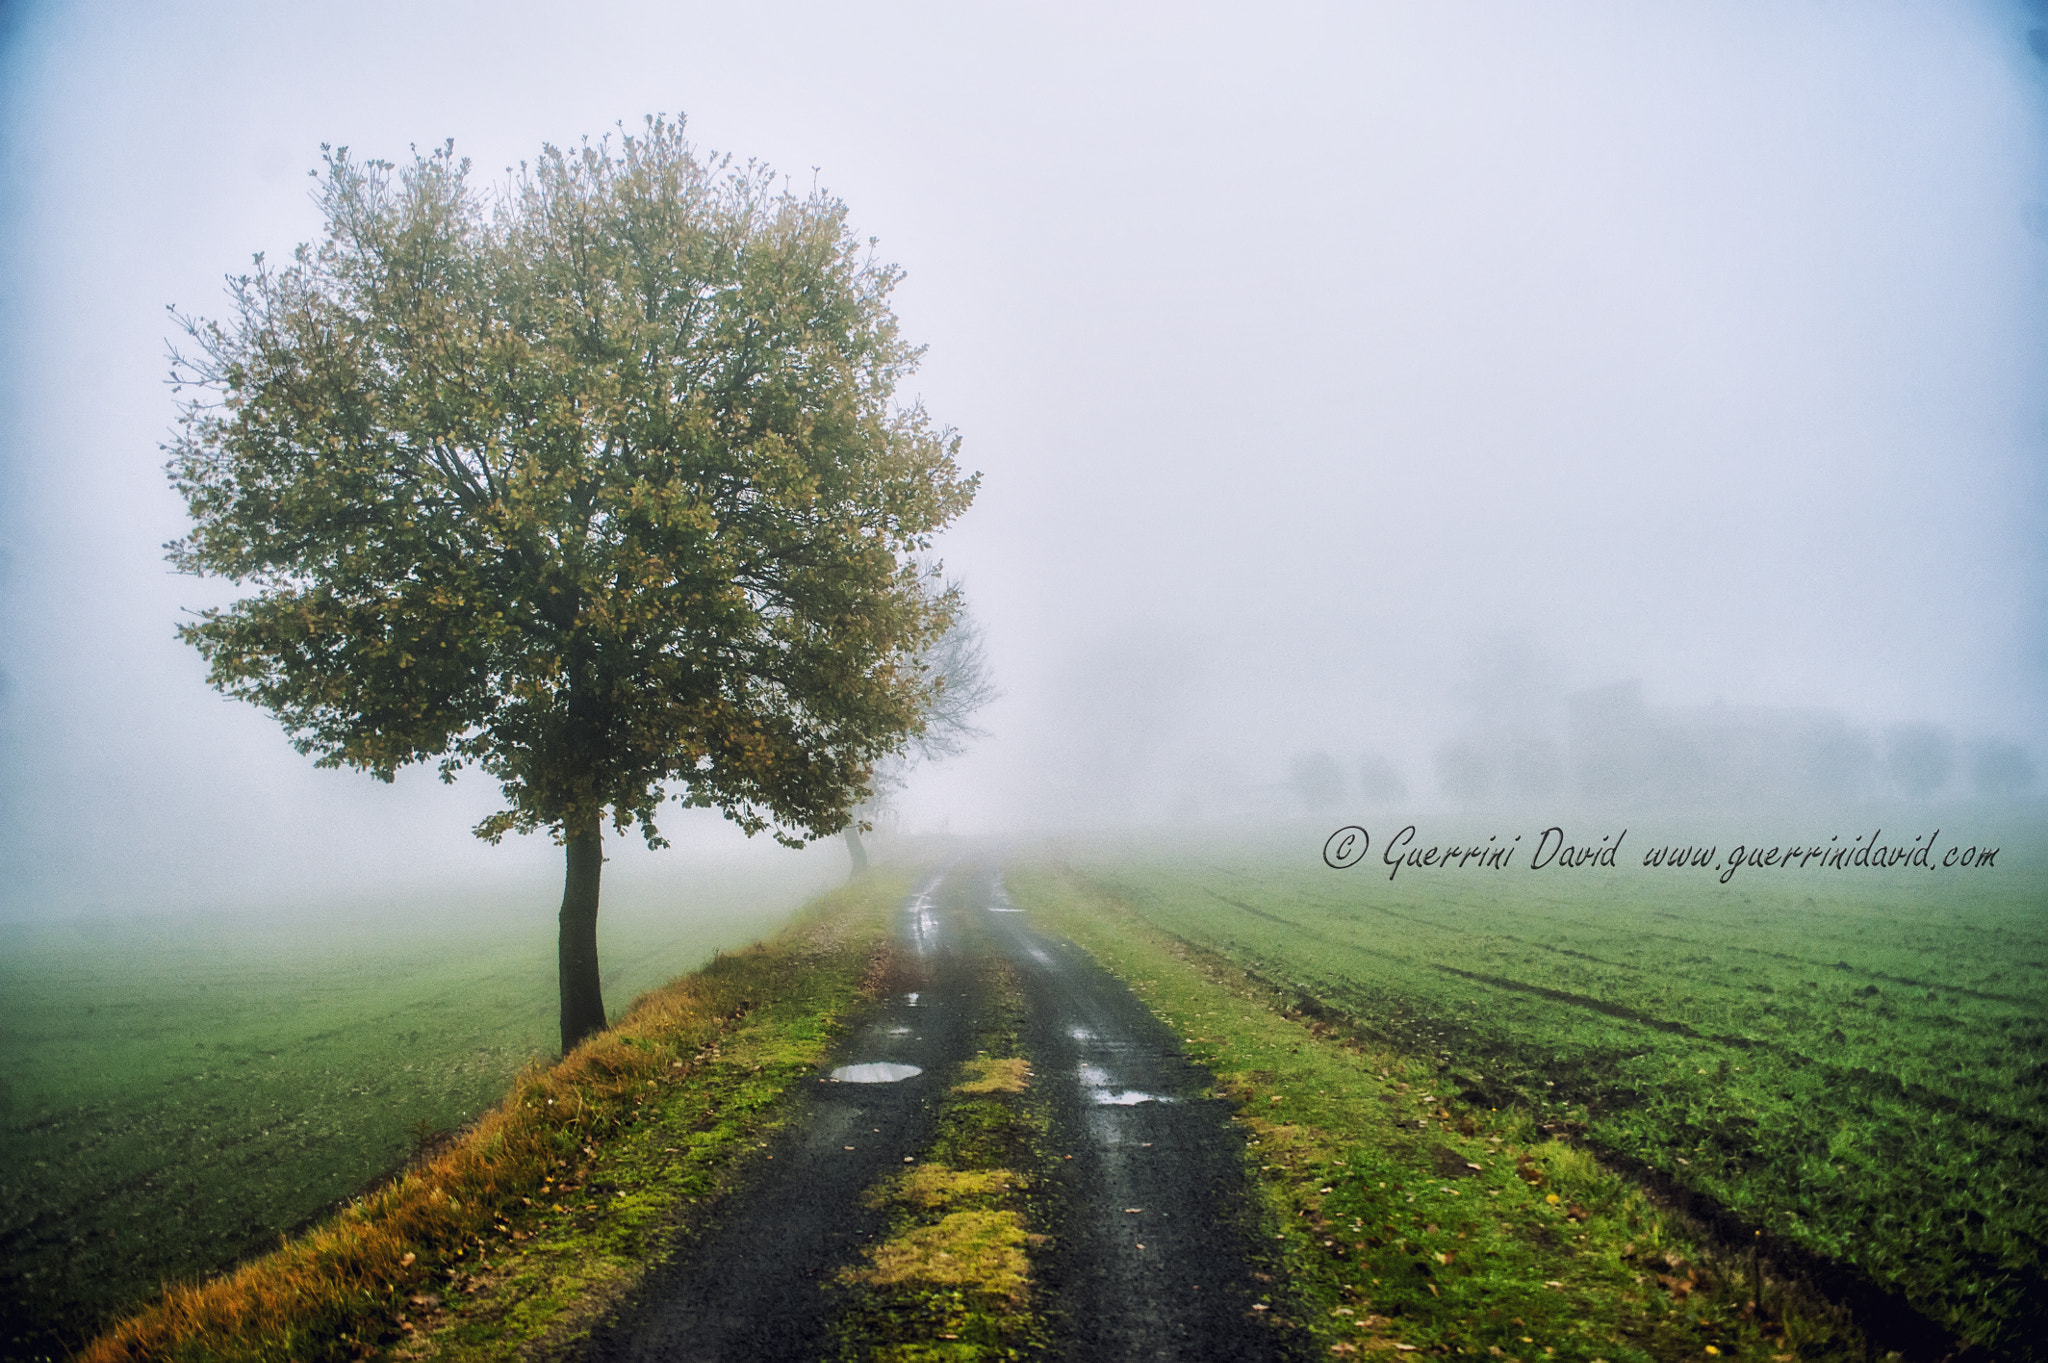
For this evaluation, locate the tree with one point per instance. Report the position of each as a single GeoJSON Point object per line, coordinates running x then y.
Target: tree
{"type": "Point", "coordinates": [957, 666]}
{"type": "Point", "coordinates": [599, 486]}
{"type": "Point", "coordinates": [1317, 779]}
{"type": "Point", "coordinates": [1919, 758]}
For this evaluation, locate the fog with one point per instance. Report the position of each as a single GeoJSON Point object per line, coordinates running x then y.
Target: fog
{"type": "Point", "coordinates": [1379, 405]}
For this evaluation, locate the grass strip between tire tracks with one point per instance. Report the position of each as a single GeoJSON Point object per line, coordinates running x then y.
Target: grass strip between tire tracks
{"type": "Point", "coordinates": [952, 1280]}
{"type": "Point", "coordinates": [1409, 1224]}
{"type": "Point", "coordinates": [515, 1239]}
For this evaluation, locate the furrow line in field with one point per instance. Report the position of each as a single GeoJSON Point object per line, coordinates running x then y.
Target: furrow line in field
{"type": "Point", "coordinates": [1613, 1010]}
{"type": "Point", "coordinates": [1261, 913]}
{"type": "Point", "coordinates": [1889, 1085]}
{"type": "Point", "coordinates": [1862, 971]}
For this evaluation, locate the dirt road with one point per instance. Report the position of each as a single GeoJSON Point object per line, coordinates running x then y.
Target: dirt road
{"type": "Point", "coordinates": [1152, 1258]}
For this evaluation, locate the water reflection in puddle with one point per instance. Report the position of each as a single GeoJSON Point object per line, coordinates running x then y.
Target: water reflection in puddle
{"type": "Point", "coordinates": [1102, 1093]}
{"type": "Point", "coordinates": [875, 1072]}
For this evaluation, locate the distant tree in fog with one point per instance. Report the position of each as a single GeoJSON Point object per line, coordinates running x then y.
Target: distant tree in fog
{"type": "Point", "coordinates": [1531, 767]}
{"type": "Point", "coordinates": [1697, 756]}
{"type": "Point", "coordinates": [1380, 782]}
{"type": "Point", "coordinates": [601, 487]}
{"type": "Point", "coordinates": [1463, 773]}
{"type": "Point", "coordinates": [1317, 780]}
{"type": "Point", "coordinates": [956, 666]}
{"type": "Point", "coordinates": [1919, 759]}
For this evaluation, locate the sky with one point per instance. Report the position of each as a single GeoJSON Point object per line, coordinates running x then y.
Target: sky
{"type": "Point", "coordinates": [1345, 379]}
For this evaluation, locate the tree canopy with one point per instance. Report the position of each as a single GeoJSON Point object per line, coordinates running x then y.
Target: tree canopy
{"type": "Point", "coordinates": [597, 483]}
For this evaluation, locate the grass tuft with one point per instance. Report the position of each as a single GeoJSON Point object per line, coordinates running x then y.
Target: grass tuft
{"type": "Point", "coordinates": [979, 1249]}
{"type": "Point", "coordinates": [934, 1186]}
{"type": "Point", "coordinates": [996, 1076]}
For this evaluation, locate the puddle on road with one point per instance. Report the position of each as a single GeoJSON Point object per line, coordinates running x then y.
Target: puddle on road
{"type": "Point", "coordinates": [875, 1072]}
{"type": "Point", "coordinates": [1127, 1098]}
{"type": "Point", "coordinates": [1103, 1093]}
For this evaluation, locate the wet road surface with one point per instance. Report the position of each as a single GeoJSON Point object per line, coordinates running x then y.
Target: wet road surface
{"type": "Point", "coordinates": [1148, 1258]}
{"type": "Point", "coordinates": [1151, 1261]}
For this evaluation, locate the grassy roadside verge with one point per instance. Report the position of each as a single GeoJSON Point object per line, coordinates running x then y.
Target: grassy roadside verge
{"type": "Point", "coordinates": [520, 1234]}
{"type": "Point", "coordinates": [952, 1280]}
{"type": "Point", "coordinates": [1409, 1224]}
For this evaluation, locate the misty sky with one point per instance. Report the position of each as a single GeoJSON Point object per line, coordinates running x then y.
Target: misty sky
{"type": "Point", "coordinates": [1308, 356]}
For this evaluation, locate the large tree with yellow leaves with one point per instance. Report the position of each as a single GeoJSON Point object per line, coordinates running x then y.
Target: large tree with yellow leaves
{"type": "Point", "coordinates": [599, 484]}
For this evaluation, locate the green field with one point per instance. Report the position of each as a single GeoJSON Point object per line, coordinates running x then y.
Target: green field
{"type": "Point", "coordinates": [176, 1092]}
{"type": "Point", "coordinates": [1852, 1060]}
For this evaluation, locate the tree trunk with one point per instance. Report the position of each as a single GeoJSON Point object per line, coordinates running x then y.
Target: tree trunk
{"type": "Point", "coordinates": [860, 853]}
{"type": "Point", "coordinates": [582, 999]}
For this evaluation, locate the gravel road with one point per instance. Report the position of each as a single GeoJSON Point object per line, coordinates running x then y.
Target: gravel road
{"type": "Point", "coordinates": [1151, 1256]}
